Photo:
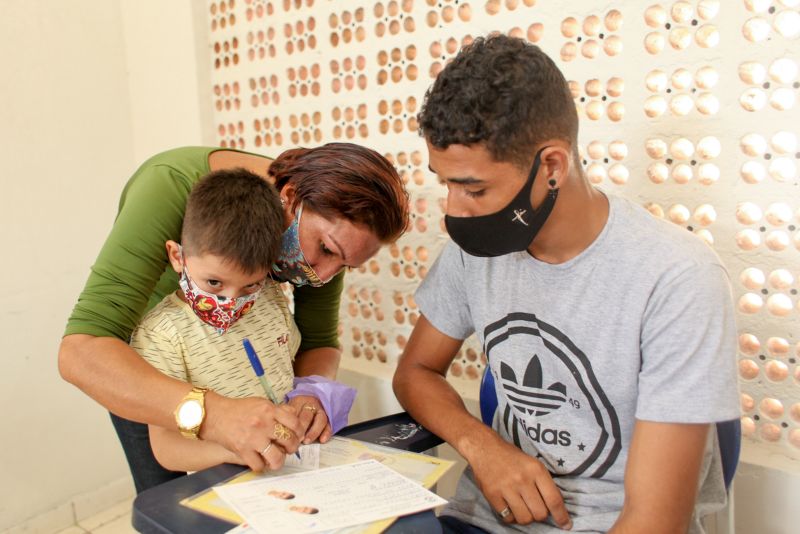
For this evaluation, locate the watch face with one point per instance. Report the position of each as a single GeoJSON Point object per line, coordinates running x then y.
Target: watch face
{"type": "Point", "coordinates": [190, 414]}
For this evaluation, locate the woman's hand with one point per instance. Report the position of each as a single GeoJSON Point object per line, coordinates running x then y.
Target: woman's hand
{"type": "Point", "coordinates": [312, 418]}
{"type": "Point", "coordinates": [253, 428]}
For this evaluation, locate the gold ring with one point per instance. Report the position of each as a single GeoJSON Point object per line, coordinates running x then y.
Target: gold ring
{"type": "Point", "coordinates": [505, 512]}
{"type": "Point", "coordinates": [266, 449]}
{"type": "Point", "coordinates": [281, 432]}
{"type": "Point", "coordinates": [309, 407]}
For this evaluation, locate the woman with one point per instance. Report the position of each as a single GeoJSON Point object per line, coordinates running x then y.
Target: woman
{"type": "Point", "coordinates": [341, 203]}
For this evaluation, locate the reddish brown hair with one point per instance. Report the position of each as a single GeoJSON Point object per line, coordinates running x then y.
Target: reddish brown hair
{"type": "Point", "coordinates": [348, 181]}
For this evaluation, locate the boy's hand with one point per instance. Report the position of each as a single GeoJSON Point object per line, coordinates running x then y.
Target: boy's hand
{"type": "Point", "coordinates": [312, 418]}
{"type": "Point", "coordinates": [253, 428]}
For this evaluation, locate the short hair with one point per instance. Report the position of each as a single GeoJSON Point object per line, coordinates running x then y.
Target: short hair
{"type": "Point", "coordinates": [503, 92]}
{"type": "Point", "coordinates": [237, 215]}
{"type": "Point", "coordinates": [348, 181]}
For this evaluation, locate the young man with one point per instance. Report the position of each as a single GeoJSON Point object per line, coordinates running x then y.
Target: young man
{"type": "Point", "coordinates": [610, 333]}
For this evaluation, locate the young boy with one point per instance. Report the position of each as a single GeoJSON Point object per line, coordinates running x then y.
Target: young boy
{"type": "Point", "coordinates": [231, 236]}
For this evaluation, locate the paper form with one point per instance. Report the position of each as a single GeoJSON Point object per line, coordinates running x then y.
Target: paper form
{"type": "Point", "coordinates": [328, 498]}
{"type": "Point", "coordinates": [424, 469]}
{"type": "Point", "coordinates": [309, 457]}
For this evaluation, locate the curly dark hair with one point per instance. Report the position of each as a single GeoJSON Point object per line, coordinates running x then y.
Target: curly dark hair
{"type": "Point", "coordinates": [503, 92]}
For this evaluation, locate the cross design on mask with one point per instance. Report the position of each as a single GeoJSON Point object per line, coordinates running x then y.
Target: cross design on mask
{"type": "Point", "coordinates": [518, 216]}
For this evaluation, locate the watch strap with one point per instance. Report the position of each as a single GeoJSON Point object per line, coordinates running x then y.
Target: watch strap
{"type": "Point", "coordinates": [197, 394]}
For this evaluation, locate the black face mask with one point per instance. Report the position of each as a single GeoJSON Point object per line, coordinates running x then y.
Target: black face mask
{"type": "Point", "coordinates": [512, 229]}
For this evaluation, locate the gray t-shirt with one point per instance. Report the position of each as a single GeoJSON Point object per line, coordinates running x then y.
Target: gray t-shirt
{"type": "Point", "coordinates": [640, 325]}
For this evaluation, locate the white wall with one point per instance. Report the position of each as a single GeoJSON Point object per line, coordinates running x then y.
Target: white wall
{"type": "Point", "coordinates": [89, 89]}
{"type": "Point", "coordinates": [766, 493]}
{"type": "Point", "coordinates": [166, 58]}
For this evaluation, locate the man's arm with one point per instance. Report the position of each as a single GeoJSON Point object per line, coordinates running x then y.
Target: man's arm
{"type": "Point", "coordinates": [420, 385]}
{"type": "Point", "coordinates": [661, 477]}
{"type": "Point", "coordinates": [507, 476]}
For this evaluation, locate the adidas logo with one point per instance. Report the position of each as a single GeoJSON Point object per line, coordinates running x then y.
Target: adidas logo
{"type": "Point", "coordinates": [583, 438]}
{"type": "Point", "coordinates": [548, 436]}
{"type": "Point", "coordinates": [531, 397]}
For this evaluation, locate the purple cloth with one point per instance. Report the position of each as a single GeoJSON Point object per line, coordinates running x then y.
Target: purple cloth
{"type": "Point", "coordinates": [336, 398]}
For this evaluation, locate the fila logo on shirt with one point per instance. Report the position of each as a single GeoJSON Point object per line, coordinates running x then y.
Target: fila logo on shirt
{"type": "Point", "coordinates": [550, 403]}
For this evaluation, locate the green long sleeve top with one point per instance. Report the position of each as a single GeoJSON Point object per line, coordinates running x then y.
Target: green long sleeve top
{"type": "Point", "coordinates": [132, 273]}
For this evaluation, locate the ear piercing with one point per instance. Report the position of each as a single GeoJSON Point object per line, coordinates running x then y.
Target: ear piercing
{"type": "Point", "coordinates": [552, 183]}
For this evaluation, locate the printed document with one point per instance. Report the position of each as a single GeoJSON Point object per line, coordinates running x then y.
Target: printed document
{"type": "Point", "coordinates": [425, 470]}
{"type": "Point", "coordinates": [328, 498]}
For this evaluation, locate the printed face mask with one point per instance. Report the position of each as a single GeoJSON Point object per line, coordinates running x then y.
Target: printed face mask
{"type": "Point", "coordinates": [215, 310]}
{"type": "Point", "coordinates": [512, 229]}
{"type": "Point", "coordinates": [291, 265]}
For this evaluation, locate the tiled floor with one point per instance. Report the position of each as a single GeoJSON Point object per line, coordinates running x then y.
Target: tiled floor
{"type": "Point", "coordinates": [115, 520]}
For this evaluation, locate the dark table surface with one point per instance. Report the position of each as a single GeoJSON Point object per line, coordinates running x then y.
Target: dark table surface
{"type": "Point", "coordinates": [158, 510]}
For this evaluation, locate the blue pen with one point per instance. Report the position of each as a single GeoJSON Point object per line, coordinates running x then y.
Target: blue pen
{"type": "Point", "coordinates": [256, 363]}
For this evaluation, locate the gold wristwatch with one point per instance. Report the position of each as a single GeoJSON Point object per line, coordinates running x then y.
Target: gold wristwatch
{"type": "Point", "coordinates": [191, 412]}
